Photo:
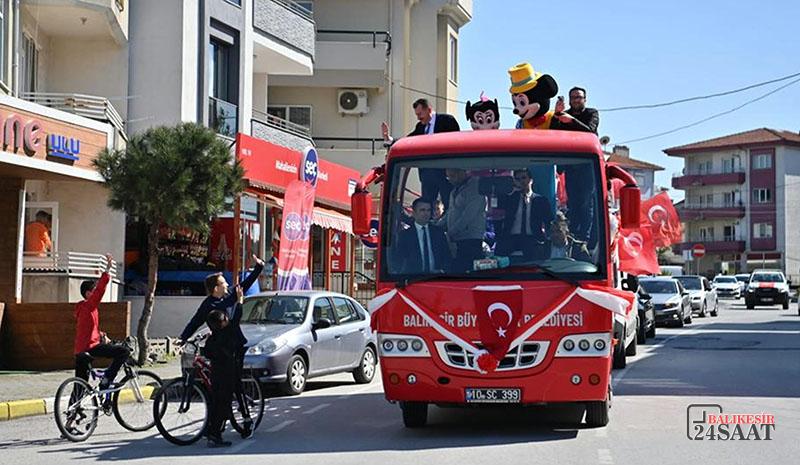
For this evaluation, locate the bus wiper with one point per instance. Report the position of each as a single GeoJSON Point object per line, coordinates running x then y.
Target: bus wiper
{"type": "Point", "coordinates": [534, 267]}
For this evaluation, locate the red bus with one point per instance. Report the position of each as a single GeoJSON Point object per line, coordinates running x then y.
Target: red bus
{"type": "Point", "coordinates": [541, 303]}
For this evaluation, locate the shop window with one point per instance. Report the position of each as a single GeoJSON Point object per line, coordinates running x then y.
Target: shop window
{"type": "Point", "coordinates": [41, 229]}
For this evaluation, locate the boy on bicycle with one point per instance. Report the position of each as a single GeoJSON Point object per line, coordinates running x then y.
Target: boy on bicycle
{"type": "Point", "coordinates": [88, 338]}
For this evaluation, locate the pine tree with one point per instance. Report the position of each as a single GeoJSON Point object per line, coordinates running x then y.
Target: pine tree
{"type": "Point", "coordinates": [178, 177]}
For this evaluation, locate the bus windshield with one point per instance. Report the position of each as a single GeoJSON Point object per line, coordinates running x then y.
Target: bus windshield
{"type": "Point", "coordinates": [494, 214]}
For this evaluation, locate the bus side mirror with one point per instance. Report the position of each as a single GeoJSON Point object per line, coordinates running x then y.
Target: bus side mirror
{"type": "Point", "coordinates": [629, 204]}
{"type": "Point", "coordinates": [361, 209]}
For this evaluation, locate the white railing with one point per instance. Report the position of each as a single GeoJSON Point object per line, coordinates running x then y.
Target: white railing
{"type": "Point", "coordinates": [89, 106]}
{"type": "Point", "coordinates": [282, 124]}
{"type": "Point", "coordinates": [697, 172]}
{"type": "Point", "coordinates": [69, 263]}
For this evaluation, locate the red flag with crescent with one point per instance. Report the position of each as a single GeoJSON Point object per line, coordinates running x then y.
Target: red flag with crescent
{"type": "Point", "coordinates": [637, 252]}
{"type": "Point", "coordinates": [499, 309]}
{"type": "Point", "coordinates": [658, 214]}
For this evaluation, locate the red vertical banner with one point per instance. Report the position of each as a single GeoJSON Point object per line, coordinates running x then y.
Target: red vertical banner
{"type": "Point", "coordinates": [298, 207]}
{"type": "Point", "coordinates": [338, 251]}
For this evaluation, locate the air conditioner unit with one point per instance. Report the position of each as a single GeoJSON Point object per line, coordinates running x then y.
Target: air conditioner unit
{"type": "Point", "coordinates": [353, 102]}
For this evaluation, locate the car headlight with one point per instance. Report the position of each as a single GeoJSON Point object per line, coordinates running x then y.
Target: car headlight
{"type": "Point", "coordinates": [672, 304]}
{"type": "Point", "coordinates": [266, 347]}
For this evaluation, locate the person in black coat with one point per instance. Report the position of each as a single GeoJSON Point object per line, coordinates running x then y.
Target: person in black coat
{"type": "Point", "coordinates": [433, 180]}
{"type": "Point", "coordinates": [410, 256]}
{"type": "Point", "coordinates": [515, 236]}
{"type": "Point", "coordinates": [579, 117]}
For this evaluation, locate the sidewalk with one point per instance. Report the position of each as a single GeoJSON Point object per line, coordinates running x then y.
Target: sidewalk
{"type": "Point", "coordinates": [25, 393]}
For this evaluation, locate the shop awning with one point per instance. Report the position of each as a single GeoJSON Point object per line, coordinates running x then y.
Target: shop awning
{"type": "Point", "coordinates": [322, 217]}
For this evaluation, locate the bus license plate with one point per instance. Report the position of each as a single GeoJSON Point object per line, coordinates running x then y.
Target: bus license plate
{"type": "Point", "coordinates": [493, 395]}
{"type": "Point", "coordinates": [766, 299]}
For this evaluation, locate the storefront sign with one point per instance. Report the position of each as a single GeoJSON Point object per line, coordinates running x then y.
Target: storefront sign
{"type": "Point", "coordinates": [298, 207]}
{"type": "Point", "coordinates": [310, 164]}
{"type": "Point", "coordinates": [338, 249]}
{"type": "Point", "coordinates": [276, 166]}
{"type": "Point", "coordinates": [43, 137]}
{"type": "Point", "coordinates": [371, 240]}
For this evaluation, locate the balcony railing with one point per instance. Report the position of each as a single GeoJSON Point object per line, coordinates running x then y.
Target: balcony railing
{"type": "Point", "coordinates": [296, 8]}
{"type": "Point", "coordinates": [88, 106]}
{"type": "Point", "coordinates": [69, 263]}
{"type": "Point", "coordinates": [710, 211]}
{"type": "Point", "coordinates": [707, 179]}
{"type": "Point", "coordinates": [728, 244]}
{"type": "Point", "coordinates": [348, 143]}
{"type": "Point", "coordinates": [376, 37]}
{"type": "Point", "coordinates": [279, 123]}
{"type": "Point", "coordinates": [223, 116]}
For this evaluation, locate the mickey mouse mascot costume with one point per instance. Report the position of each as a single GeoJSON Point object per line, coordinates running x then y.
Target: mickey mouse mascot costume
{"type": "Point", "coordinates": [531, 93]}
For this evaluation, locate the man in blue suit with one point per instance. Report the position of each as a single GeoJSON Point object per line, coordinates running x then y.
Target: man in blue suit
{"type": "Point", "coordinates": [422, 248]}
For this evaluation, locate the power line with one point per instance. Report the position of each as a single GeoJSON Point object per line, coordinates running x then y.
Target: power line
{"type": "Point", "coordinates": [717, 115]}
{"type": "Point", "coordinates": [701, 97]}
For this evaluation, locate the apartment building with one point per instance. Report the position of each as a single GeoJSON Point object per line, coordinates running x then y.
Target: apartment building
{"type": "Point", "coordinates": [741, 190]}
{"type": "Point", "coordinates": [63, 91]}
{"type": "Point", "coordinates": [644, 172]}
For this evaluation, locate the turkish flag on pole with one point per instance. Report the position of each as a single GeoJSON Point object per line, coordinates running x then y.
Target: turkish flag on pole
{"type": "Point", "coordinates": [499, 309]}
{"type": "Point", "coordinates": [660, 217]}
{"type": "Point", "coordinates": [637, 252]}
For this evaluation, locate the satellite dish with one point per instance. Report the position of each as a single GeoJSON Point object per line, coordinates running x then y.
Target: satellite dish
{"type": "Point", "coordinates": [605, 140]}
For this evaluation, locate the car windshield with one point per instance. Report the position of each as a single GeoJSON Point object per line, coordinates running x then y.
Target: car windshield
{"type": "Point", "coordinates": [690, 283]}
{"type": "Point", "coordinates": [660, 287]}
{"type": "Point", "coordinates": [285, 310]}
{"type": "Point", "coordinates": [767, 278]}
{"type": "Point", "coordinates": [725, 279]}
{"type": "Point", "coordinates": [499, 215]}
{"type": "Point", "coordinates": [743, 278]}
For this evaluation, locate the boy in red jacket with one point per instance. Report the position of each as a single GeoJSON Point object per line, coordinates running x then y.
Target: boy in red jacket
{"type": "Point", "coordinates": [87, 334]}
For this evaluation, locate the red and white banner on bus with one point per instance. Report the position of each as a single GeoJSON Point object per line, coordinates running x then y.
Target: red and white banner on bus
{"type": "Point", "coordinates": [298, 207]}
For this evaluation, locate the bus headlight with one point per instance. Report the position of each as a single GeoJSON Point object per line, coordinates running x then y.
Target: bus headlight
{"type": "Point", "coordinates": [590, 345]}
{"type": "Point", "coordinates": [401, 345]}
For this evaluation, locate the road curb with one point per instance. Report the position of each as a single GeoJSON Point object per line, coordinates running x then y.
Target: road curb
{"type": "Point", "coordinates": [16, 409]}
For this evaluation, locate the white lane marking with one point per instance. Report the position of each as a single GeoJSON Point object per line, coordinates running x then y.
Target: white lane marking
{"type": "Point", "coordinates": [280, 426]}
{"type": "Point", "coordinates": [604, 457]}
{"type": "Point", "coordinates": [316, 409]}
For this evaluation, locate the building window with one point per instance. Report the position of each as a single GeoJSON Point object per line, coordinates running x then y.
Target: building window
{"type": "Point", "coordinates": [762, 161]}
{"type": "Point", "coordinates": [707, 234]}
{"type": "Point", "coordinates": [308, 6]}
{"type": "Point", "coordinates": [297, 114]}
{"type": "Point", "coordinates": [729, 233]}
{"type": "Point", "coordinates": [29, 56]}
{"type": "Point", "coordinates": [453, 75]}
{"type": "Point", "coordinates": [762, 230]}
{"type": "Point", "coordinates": [762, 195]}
{"type": "Point", "coordinates": [727, 166]}
{"type": "Point", "coordinates": [222, 80]}
{"type": "Point", "coordinates": [709, 199]}
{"type": "Point", "coordinates": [728, 199]}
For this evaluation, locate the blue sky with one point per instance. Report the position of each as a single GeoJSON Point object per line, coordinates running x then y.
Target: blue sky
{"type": "Point", "coordinates": [642, 52]}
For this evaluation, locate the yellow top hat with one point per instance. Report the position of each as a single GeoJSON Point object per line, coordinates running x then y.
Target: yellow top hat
{"type": "Point", "coordinates": [523, 78]}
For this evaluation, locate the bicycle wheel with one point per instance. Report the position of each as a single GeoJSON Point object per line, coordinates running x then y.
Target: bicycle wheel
{"type": "Point", "coordinates": [133, 404]}
{"type": "Point", "coordinates": [76, 409]}
{"type": "Point", "coordinates": [251, 406]}
{"type": "Point", "coordinates": [181, 412]}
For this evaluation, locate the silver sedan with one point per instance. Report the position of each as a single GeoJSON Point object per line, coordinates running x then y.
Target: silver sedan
{"type": "Point", "coordinates": [296, 335]}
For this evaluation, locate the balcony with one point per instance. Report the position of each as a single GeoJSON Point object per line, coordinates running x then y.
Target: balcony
{"type": "Point", "coordinates": [711, 211]}
{"type": "Point", "coordinates": [223, 117]}
{"type": "Point", "coordinates": [346, 58]}
{"type": "Point", "coordinates": [681, 181]}
{"type": "Point", "coordinates": [81, 19]}
{"type": "Point", "coordinates": [727, 245]}
{"type": "Point", "coordinates": [88, 106]}
{"type": "Point", "coordinates": [284, 41]}
{"type": "Point", "coordinates": [280, 131]}
{"type": "Point", "coordinates": [360, 154]}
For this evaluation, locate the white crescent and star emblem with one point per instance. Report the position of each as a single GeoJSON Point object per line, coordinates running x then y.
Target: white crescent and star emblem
{"type": "Point", "coordinates": [501, 332]}
{"type": "Point", "coordinates": [633, 243]}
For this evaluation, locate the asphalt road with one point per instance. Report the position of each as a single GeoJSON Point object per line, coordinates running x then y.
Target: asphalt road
{"type": "Point", "coordinates": [745, 361]}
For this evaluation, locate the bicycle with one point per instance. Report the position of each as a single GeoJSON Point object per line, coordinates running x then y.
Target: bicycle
{"type": "Point", "coordinates": [78, 404]}
{"type": "Point", "coordinates": [181, 408]}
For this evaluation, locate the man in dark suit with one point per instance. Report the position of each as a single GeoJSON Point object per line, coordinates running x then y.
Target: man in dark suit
{"type": "Point", "coordinates": [527, 220]}
{"type": "Point", "coordinates": [579, 117]}
{"type": "Point", "coordinates": [433, 180]}
{"type": "Point", "coordinates": [422, 248]}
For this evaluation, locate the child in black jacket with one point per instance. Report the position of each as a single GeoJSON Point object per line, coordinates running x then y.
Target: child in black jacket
{"type": "Point", "coordinates": [221, 349]}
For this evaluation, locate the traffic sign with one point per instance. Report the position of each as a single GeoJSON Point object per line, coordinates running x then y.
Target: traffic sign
{"type": "Point", "coordinates": [698, 250]}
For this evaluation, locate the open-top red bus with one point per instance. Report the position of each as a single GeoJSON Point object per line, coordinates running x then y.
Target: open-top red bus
{"type": "Point", "coordinates": [530, 323]}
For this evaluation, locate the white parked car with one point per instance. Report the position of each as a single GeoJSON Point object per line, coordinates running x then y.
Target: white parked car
{"type": "Point", "coordinates": [702, 296]}
{"type": "Point", "coordinates": [727, 286]}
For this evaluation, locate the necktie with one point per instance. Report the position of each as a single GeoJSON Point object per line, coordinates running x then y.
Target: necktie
{"type": "Point", "coordinates": [526, 204]}
{"type": "Point", "coordinates": [427, 128]}
{"type": "Point", "coordinates": [426, 259]}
